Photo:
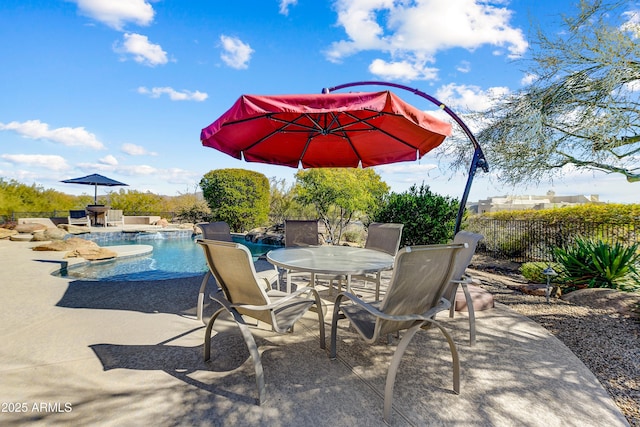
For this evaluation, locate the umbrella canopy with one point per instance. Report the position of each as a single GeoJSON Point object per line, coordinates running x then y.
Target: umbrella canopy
{"type": "Point", "coordinates": [325, 130]}
{"type": "Point", "coordinates": [94, 180]}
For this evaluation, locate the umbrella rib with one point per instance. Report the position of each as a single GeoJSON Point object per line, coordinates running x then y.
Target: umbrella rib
{"type": "Point", "coordinates": [376, 128]}
{"type": "Point", "coordinates": [275, 131]}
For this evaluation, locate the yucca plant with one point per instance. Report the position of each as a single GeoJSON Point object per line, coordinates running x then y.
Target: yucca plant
{"type": "Point", "coordinates": [597, 264]}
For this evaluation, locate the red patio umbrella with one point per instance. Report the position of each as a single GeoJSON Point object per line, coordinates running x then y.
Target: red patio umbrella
{"type": "Point", "coordinates": [325, 130]}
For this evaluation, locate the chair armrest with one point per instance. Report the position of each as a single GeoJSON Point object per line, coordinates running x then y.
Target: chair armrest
{"type": "Point", "coordinates": [443, 305]}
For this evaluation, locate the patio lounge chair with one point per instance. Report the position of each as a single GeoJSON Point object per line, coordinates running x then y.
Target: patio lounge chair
{"type": "Point", "coordinates": [459, 278]}
{"type": "Point", "coordinates": [413, 298]}
{"type": "Point", "coordinates": [220, 231]}
{"type": "Point", "coordinates": [300, 233]}
{"type": "Point", "coordinates": [114, 217]}
{"type": "Point", "coordinates": [79, 217]}
{"type": "Point", "coordinates": [384, 237]}
{"type": "Point", "coordinates": [243, 293]}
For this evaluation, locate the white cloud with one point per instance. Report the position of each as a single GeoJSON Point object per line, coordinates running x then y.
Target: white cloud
{"type": "Point", "coordinates": [464, 67]}
{"type": "Point", "coordinates": [173, 94]}
{"type": "Point", "coordinates": [46, 161]}
{"type": "Point", "coordinates": [417, 31]}
{"type": "Point", "coordinates": [143, 51]}
{"type": "Point", "coordinates": [528, 79]}
{"type": "Point", "coordinates": [406, 168]}
{"type": "Point", "coordinates": [402, 70]}
{"type": "Point", "coordinates": [284, 6]}
{"type": "Point", "coordinates": [632, 23]}
{"type": "Point", "coordinates": [115, 13]}
{"type": "Point", "coordinates": [136, 150]}
{"type": "Point", "coordinates": [469, 97]}
{"type": "Point", "coordinates": [236, 54]}
{"type": "Point", "coordinates": [109, 160]}
{"type": "Point", "coordinates": [71, 137]}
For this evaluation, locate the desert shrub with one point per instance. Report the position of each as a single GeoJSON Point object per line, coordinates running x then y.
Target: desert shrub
{"type": "Point", "coordinates": [597, 264]}
{"type": "Point", "coordinates": [532, 271]}
{"type": "Point", "coordinates": [428, 218]}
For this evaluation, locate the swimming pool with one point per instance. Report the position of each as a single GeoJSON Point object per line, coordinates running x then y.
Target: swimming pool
{"type": "Point", "coordinates": [171, 258]}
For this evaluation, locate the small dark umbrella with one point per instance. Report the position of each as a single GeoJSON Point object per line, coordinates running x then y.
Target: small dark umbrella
{"type": "Point", "coordinates": [95, 180]}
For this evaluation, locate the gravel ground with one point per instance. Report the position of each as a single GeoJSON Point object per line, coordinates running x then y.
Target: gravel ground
{"type": "Point", "coordinates": [604, 338]}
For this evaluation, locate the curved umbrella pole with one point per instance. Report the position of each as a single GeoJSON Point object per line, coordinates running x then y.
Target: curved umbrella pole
{"type": "Point", "coordinates": [478, 156]}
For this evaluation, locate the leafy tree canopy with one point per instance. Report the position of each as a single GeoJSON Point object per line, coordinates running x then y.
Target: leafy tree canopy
{"type": "Point", "coordinates": [340, 193]}
{"type": "Point", "coordinates": [583, 108]}
{"type": "Point", "coordinates": [237, 196]}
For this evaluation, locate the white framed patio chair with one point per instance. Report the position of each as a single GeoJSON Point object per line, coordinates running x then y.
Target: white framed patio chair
{"type": "Point", "coordinates": [243, 293]}
{"type": "Point", "coordinates": [300, 233]}
{"type": "Point", "coordinates": [79, 217]}
{"type": "Point", "coordinates": [220, 231]}
{"type": "Point", "coordinates": [413, 298]}
{"type": "Point", "coordinates": [459, 278]}
{"type": "Point", "coordinates": [114, 217]}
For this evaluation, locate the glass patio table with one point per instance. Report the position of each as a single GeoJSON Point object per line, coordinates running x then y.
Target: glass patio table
{"type": "Point", "coordinates": [330, 260]}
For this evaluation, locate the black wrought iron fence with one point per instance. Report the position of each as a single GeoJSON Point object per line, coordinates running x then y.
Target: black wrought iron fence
{"type": "Point", "coordinates": [528, 240]}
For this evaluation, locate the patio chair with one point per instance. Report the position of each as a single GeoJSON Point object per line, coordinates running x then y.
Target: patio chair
{"type": "Point", "coordinates": [384, 237]}
{"type": "Point", "coordinates": [300, 233]}
{"type": "Point", "coordinates": [114, 217]}
{"type": "Point", "coordinates": [459, 278]}
{"type": "Point", "coordinates": [220, 231]}
{"type": "Point", "coordinates": [244, 293]}
{"type": "Point", "coordinates": [413, 298]}
{"type": "Point", "coordinates": [79, 217]}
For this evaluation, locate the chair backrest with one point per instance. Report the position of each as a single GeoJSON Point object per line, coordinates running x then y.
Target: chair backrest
{"type": "Point", "coordinates": [217, 230]}
{"type": "Point", "coordinates": [384, 237]}
{"type": "Point", "coordinates": [301, 233]}
{"type": "Point", "coordinates": [463, 259]}
{"type": "Point", "coordinates": [77, 214]}
{"type": "Point", "coordinates": [232, 266]}
{"type": "Point", "coordinates": [420, 276]}
{"type": "Point", "coordinates": [114, 215]}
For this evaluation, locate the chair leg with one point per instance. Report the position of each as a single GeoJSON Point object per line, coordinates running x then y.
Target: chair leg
{"type": "Point", "coordinates": [393, 370]}
{"type": "Point", "coordinates": [200, 306]}
{"type": "Point", "coordinates": [397, 357]}
{"type": "Point", "coordinates": [455, 359]}
{"type": "Point", "coordinates": [472, 315]}
{"type": "Point", "coordinates": [248, 340]}
{"type": "Point", "coordinates": [334, 327]}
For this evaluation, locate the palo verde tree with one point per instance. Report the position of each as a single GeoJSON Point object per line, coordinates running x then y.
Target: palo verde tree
{"type": "Point", "coordinates": [338, 194]}
{"type": "Point", "coordinates": [237, 196]}
{"type": "Point", "coordinates": [582, 109]}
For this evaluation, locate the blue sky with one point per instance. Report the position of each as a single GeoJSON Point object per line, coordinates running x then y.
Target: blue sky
{"type": "Point", "coordinates": [123, 87]}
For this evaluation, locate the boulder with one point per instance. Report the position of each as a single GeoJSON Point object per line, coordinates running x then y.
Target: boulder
{"type": "Point", "coordinates": [54, 234]}
{"type": "Point", "coordinates": [75, 229]}
{"type": "Point", "coordinates": [162, 223]}
{"type": "Point", "coordinates": [70, 244]}
{"type": "Point", "coordinates": [38, 236]}
{"type": "Point", "coordinates": [21, 237]}
{"type": "Point", "coordinates": [30, 227]}
{"type": "Point", "coordinates": [6, 233]}
{"type": "Point", "coordinates": [91, 253]}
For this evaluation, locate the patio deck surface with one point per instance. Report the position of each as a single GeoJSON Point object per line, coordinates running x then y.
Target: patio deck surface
{"type": "Point", "coordinates": [129, 353]}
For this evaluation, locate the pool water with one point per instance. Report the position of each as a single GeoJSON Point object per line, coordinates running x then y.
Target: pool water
{"type": "Point", "coordinates": [170, 259]}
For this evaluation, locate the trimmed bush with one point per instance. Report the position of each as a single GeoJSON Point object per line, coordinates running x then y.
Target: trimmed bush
{"type": "Point", "coordinates": [532, 271]}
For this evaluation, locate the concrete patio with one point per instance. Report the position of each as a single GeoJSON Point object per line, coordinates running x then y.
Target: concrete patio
{"type": "Point", "coordinates": [129, 353]}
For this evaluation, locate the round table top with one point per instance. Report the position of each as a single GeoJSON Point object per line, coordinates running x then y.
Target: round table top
{"type": "Point", "coordinates": [331, 259]}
